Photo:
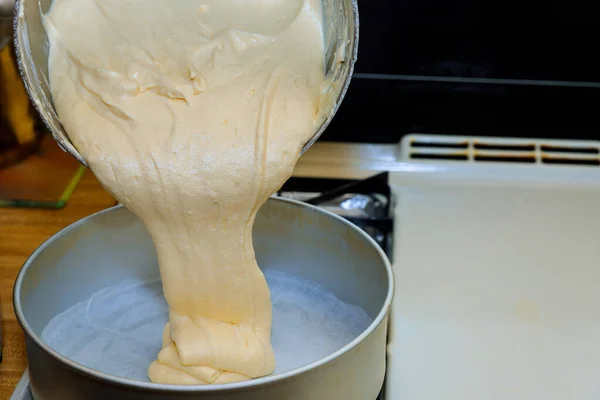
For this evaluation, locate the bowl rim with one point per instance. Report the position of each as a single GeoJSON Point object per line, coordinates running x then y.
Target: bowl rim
{"type": "Point", "coordinates": [252, 383]}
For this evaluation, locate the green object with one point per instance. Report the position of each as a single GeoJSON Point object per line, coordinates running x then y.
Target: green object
{"type": "Point", "coordinates": [59, 203]}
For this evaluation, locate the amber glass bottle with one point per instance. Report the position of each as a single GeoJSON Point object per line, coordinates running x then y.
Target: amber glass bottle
{"type": "Point", "coordinates": [21, 130]}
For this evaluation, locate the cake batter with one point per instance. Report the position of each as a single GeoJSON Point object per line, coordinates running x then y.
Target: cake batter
{"type": "Point", "coordinates": [192, 113]}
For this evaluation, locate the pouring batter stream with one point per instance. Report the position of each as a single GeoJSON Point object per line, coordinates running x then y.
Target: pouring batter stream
{"type": "Point", "coordinates": [192, 114]}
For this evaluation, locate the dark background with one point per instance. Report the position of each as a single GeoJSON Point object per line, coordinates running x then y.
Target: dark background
{"type": "Point", "coordinates": [510, 69]}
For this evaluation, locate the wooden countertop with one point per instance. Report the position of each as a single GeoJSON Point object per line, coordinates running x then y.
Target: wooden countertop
{"type": "Point", "coordinates": [22, 230]}
{"type": "Point", "coordinates": [346, 160]}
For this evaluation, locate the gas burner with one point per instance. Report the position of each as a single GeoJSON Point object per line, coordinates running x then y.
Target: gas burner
{"type": "Point", "coordinates": [366, 203]}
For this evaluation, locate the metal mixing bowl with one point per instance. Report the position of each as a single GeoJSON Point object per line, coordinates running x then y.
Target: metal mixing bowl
{"type": "Point", "coordinates": [113, 246]}
{"type": "Point", "coordinates": [340, 34]}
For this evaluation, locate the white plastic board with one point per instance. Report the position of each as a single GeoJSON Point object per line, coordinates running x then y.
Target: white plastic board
{"type": "Point", "coordinates": [497, 282]}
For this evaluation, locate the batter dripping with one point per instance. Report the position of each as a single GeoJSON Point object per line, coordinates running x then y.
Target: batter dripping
{"type": "Point", "coordinates": [192, 113]}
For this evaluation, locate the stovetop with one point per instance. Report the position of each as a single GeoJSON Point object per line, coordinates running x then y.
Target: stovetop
{"type": "Point", "coordinates": [366, 203]}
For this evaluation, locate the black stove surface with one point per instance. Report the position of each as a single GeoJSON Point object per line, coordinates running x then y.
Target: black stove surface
{"type": "Point", "coordinates": [525, 69]}
{"type": "Point", "coordinates": [366, 203]}
{"type": "Point", "coordinates": [380, 109]}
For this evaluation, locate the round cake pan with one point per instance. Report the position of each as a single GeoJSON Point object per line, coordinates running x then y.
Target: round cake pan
{"type": "Point", "coordinates": [112, 246]}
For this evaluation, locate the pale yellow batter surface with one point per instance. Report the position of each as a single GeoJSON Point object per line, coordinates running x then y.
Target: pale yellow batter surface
{"type": "Point", "coordinates": [192, 113]}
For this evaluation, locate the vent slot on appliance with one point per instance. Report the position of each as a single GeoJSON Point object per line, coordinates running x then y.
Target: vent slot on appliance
{"type": "Point", "coordinates": [450, 148]}
{"type": "Point", "coordinates": [505, 158]}
{"type": "Point", "coordinates": [573, 150]}
{"type": "Point", "coordinates": [570, 161]}
{"type": "Point", "coordinates": [440, 145]}
{"type": "Point", "coordinates": [504, 147]}
{"type": "Point", "coordinates": [432, 156]}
